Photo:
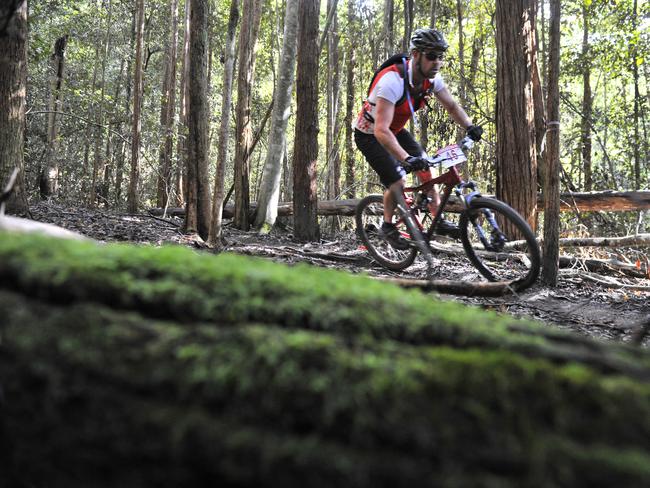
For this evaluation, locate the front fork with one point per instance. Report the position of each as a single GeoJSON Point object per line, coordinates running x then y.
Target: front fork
{"type": "Point", "coordinates": [496, 240]}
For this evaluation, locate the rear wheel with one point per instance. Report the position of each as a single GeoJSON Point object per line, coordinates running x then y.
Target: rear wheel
{"type": "Point", "coordinates": [497, 255]}
{"type": "Point", "coordinates": [369, 216]}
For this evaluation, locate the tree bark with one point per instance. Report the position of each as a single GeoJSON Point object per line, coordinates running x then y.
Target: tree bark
{"type": "Point", "coordinates": [214, 239]}
{"type": "Point", "coordinates": [252, 10]}
{"type": "Point", "coordinates": [551, 250]}
{"type": "Point", "coordinates": [305, 152]}
{"type": "Point", "coordinates": [167, 110]}
{"type": "Point", "coordinates": [49, 177]}
{"type": "Point", "coordinates": [198, 186]}
{"type": "Point", "coordinates": [634, 62]}
{"type": "Point", "coordinates": [269, 193]}
{"type": "Point", "coordinates": [132, 197]}
{"type": "Point", "coordinates": [516, 181]}
{"type": "Point", "coordinates": [13, 80]}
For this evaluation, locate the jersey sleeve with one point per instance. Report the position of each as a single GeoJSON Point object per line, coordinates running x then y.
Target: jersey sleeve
{"type": "Point", "coordinates": [390, 87]}
{"type": "Point", "coordinates": [438, 83]}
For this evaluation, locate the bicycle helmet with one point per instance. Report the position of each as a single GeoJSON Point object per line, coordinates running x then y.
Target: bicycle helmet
{"type": "Point", "coordinates": [428, 40]}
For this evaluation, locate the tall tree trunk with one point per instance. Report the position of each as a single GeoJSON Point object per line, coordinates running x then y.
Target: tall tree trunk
{"type": "Point", "coordinates": [49, 177]}
{"type": "Point", "coordinates": [552, 160]}
{"type": "Point", "coordinates": [180, 177]}
{"type": "Point", "coordinates": [121, 157]}
{"type": "Point", "coordinates": [637, 96]}
{"type": "Point", "coordinates": [461, 54]}
{"type": "Point", "coordinates": [408, 24]}
{"type": "Point", "coordinates": [350, 101]}
{"type": "Point", "coordinates": [198, 200]}
{"type": "Point", "coordinates": [332, 151]}
{"type": "Point", "coordinates": [167, 109]}
{"type": "Point", "coordinates": [305, 152]}
{"type": "Point", "coordinates": [516, 181]}
{"type": "Point", "coordinates": [389, 8]}
{"type": "Point", "coordinates": [247, 39]}
{"type": "Point", "coordinates": [585, 134]}
{"type": "Point", "coordinates": [13, 81]}
{"type": "Point", "coordinates": [99, 114]}
{"type": "Point", "coordinates": [132, 197]}
{"type": "Point", "coordinates": [425, 118]}
{"type": "Point", "coordinates": [267, 210]}
{"type": "Point", "coordinates": [214, 239]}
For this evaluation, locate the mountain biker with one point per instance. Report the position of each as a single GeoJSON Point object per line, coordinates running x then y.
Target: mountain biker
{"type": "Point", "coordinates": [397, 91]}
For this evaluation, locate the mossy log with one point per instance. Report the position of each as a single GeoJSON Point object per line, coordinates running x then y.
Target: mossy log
{"type": "Point", "coordinates": [136, 366]}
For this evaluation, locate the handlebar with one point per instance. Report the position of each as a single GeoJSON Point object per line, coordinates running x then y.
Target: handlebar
{"type": "Point", "coordinates": [443, 155]}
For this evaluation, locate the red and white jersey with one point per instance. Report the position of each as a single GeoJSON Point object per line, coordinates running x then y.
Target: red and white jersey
{"type": "Point", "coordinates": [389, 85]}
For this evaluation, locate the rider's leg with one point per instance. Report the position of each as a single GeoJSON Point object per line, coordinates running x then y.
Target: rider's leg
{"type": "Point", "coordinates": [389, 199]}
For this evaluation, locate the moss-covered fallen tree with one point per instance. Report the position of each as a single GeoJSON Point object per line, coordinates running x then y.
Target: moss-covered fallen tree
{"type": "Point", "coordinates": [135, 366]}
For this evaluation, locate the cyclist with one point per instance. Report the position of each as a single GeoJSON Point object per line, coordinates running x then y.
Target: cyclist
{"type": "Point", "coordinates": [396, 93]}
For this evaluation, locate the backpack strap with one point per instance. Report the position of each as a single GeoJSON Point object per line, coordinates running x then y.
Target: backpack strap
{"type": "Point", "coordinates": [395, 59]}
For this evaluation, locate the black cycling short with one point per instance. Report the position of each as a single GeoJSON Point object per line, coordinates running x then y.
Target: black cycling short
{"type": "Point", "coordinates": [385, 164]}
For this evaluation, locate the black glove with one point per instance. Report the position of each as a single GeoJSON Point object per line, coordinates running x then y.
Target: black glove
{"type": "Point", "coordinates": [415, 163]}
{"type": "Point", "coordinates": [475, 132]}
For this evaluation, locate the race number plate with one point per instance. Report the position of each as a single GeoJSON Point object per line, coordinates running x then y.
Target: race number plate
{"type": "Point", "coordinates": [451, 156]}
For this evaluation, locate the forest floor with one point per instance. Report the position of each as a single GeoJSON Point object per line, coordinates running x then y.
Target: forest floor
{"type": "Point", "coordinates": [608, 305]}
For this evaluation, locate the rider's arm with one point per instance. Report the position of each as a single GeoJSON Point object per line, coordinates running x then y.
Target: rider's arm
{"type": "Point", "coordinates": [384, 112]}
{"type": "Point", "coordinates": [453, 108]}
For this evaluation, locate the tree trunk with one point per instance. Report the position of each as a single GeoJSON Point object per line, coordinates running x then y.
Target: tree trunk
{"type": "Point", "coordinates": [198, 185]}
{"type": "Point", "coordinates": [269, 194]}
{"type": "Point", "coordinates": [49, 177]}
{"type": "Point", "coordinates": [13, 80]}
{"type": "Point", "coordinates": [350, 103]}
{"type": "Point", "coordinates": [99, 114]}
{"type": "Point", "coordinates": [461, 55]}
{"type": "Point", "coordinates": [516, 142]}
{"type": "Point", "coordinates": [167, 109]}
{"type": "Point", "coordinates": [214, 238]}
{"type": "Point", "coordinates": [388, 45]}
{"type": "Point", "coordinates": [552, 160]}
{"type": "Point", "coordinates": [121, 157]}
{"type": "Point", "coordinates": [252, 10]}
{"type": "Point", "coordinates": [586, 101]}
{"type": "Point", "coordinates": [132, 197]}
{"type": "Point", "coordinates": [305, 151]}
{"type": "Point", "coordinates": [634, 62]}
{"type": "Point", "coordinates": [408, 24]}
{"type": "Point", "coordinates": [180, 169]}
{"type": "Point", "coordinates": [135, 368]}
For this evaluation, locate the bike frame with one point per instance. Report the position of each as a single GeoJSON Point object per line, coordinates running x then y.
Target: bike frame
{"type": "Point", "coordinates": [449, 179]}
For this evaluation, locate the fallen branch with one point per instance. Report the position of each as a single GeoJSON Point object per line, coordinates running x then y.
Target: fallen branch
{"type": "Point", "coordinates": [611, 282]}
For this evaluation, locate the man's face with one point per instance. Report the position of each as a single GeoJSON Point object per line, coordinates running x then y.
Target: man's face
{"type": "Point", "coordinates": [430, 62]}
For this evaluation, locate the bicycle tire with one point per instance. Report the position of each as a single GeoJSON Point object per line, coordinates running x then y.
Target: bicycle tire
{"type": "Point", "coordinates": [490, 252]}
{"type": "Point", "coordinates": [369, 215]}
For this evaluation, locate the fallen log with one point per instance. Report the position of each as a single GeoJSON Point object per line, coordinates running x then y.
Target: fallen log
{"type": "Point", "coordinates": [137, 366]}
{"type": "Point", "coordinates": [464, 288]}
{"type": "Point", "coordinates": [609, 201]}
{"type": "Point", "coordinates": [607, 265]}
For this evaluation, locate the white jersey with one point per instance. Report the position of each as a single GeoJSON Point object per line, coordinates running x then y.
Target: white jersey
{"type": "Point", "coordinates": [389, 85]}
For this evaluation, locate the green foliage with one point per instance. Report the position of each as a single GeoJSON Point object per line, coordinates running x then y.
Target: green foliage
{"type": "Point", "coordinates": [134, 366]}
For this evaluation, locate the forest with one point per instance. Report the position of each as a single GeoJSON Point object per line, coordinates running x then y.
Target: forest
{"type": "Point", "coordinates": [161, 163]}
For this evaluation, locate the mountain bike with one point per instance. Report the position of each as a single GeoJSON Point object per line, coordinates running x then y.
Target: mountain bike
{"type": "Point", "coordinates": [495, 238]}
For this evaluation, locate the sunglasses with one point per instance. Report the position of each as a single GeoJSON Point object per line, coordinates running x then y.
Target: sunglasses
{"type": "Point", "coordinates": [433, 55]}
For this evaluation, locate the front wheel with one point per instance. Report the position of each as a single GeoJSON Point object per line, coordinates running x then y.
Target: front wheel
{"type": "Point", "coordinates": [499, 242]}
{"type": "Point", "coordinates": [369, 216]}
